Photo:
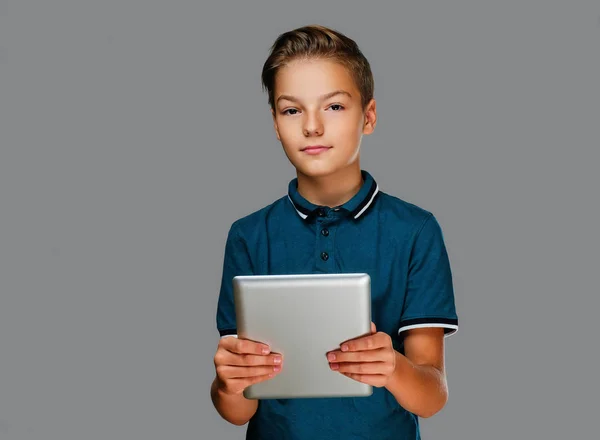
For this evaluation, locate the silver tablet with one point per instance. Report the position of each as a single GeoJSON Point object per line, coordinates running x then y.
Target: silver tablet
{"type": "Point", "coordinates": [304, 317]}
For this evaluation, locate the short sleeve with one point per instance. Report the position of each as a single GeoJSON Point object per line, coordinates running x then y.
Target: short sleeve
{"type": "Point", "coordinates": [429, 300]}
{"type": "Point", "coordinates": [236, 261]}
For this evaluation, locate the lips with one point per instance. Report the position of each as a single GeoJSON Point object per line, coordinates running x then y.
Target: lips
{"type": "Point", "coordinates": [315, 149]}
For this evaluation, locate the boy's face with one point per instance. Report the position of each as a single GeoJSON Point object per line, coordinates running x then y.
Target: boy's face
{"type": "Point", "coordinates": [305, 116]}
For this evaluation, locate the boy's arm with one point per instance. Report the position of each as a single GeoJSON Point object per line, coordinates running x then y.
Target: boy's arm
{"type": "Point", "coordinates": [428, 316]}
{"type": "Point", "coordinates": [419, 380]}
{"type": "Point", "coordinates": [235, 409]}
{"type": "Point", "coordinates": [240, 363]}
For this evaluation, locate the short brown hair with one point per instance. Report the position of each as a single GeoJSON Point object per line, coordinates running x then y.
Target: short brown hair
{"type": "Point", "coordinates": [318, 42]}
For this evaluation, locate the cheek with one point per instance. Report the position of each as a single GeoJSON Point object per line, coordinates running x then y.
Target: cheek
{"type": "Point", "coordinates": [284, 131]}
{"type": "Point", "coordinates": [348, 128]}
{"type": "Point", "coordinates": [290, 135]}
{"type": "Point", "coordinates": [289, 126]}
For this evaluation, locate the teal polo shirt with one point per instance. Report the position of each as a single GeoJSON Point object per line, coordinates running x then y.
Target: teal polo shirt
{"type": "Point", "coordinates": [400, 246]}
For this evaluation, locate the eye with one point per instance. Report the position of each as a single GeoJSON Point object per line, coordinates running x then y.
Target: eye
{"type": "Point", "coordinates": [285, 112]}
{"type": "Point", "coordinates": [336, 105]}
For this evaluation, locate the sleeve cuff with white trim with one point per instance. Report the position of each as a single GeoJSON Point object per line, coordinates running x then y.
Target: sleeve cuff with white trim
{"type": "Point", "coordinates": [228, 332]}
{"type": "Point", "coordinates": [450, 325]}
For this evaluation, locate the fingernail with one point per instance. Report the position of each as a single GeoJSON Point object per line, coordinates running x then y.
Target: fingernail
{"type": "Point", "coordinates": [344, 347]}
{"type": "Point", "coordinates": [331, 357]}
{"type": "Point", "coordinates": [265, 350]}
{"type": "Point", "coordinates": [334, 366]}
{"type": "Point", "coordinates": [276, 369]}
{"type": "Point", "coordinates": [277, 360]}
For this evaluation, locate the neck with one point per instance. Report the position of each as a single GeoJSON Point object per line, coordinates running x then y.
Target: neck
{"type": "Point", "coordinates": [331, 190]}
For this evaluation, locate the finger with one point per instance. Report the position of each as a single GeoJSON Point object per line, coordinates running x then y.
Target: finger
{"type": "Point", "coordinates": [237, 386]}
{"type": "Point", "coordinates": [370, 342]}
{"type": "Point", "coordinates": [377, 355]}
{"type": "Point", "coordinates": [373, 328]}
{"type": "Point", "coordinates": [249, 360]}
{"type": "Point", "coordinates": [376, 380]}
{"type": "Point", "coordinates": [227, 372]}
{"type": "Point", "coordinates": [245, 346]}
{"type": "Point", "coordinates": [382, 368]}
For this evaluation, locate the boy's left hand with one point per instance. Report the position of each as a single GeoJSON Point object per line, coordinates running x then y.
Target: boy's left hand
{"type": "Point", "coordinates": [370, 359]}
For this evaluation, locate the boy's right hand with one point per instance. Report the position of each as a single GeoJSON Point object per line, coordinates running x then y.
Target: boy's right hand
{"type": "Point", "coordinates": [240, 363]}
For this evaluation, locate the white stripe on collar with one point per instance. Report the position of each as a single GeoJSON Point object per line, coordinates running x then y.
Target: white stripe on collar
{"type": "Point", "coordinates": [299, 213]}
{"type": "Point", "coordinates": [369, 203]}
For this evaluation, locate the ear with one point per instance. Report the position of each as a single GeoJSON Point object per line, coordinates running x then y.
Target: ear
{"type": "Point", "coordinates": [370, 117]}
{"type": "Point", "coordinates": [275, 125]}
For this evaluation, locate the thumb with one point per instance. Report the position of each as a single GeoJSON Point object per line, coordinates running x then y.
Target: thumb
{"type": "Point", "coordinates": [373, 328]}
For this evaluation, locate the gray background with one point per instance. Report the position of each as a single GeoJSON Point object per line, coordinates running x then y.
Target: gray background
{"type": "Point", "coordinates": [133, 133]}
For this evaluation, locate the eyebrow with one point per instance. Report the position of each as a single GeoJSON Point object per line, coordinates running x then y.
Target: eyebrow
{"type": "Point", "coordinates": [322, 97]}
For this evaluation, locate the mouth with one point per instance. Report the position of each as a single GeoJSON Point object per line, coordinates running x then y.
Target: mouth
{"type": "Point", "coordinates": [315, 149]}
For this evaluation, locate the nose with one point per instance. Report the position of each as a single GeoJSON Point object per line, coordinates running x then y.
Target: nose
{"type": "Point", "coordinates": [312, 126]}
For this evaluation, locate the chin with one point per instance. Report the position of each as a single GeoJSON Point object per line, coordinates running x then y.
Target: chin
{"type": "Point", "coordinates": [317, 170]}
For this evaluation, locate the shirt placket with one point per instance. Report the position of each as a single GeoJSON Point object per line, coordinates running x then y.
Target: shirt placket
{"type": "Point", "coordinates": [324, 245]}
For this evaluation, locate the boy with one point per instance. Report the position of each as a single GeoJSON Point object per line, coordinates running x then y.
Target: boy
{"type": "Point", "coordinates": [335, 219]}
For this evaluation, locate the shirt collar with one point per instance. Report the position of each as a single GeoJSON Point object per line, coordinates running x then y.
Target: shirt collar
{"type": "Point", "coordinates": [355, 207]}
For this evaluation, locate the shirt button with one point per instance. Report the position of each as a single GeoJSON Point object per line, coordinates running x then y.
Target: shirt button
{"type": "Point", "coordinates": [321, 212]}
{"type": "Point", "coordinates": [324, 256]}
{"type": "Point", "coordinates": [325, 232]}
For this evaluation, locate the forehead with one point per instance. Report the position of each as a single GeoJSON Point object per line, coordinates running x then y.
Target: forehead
{"type": "Point", "coordinates": [308, 78]}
